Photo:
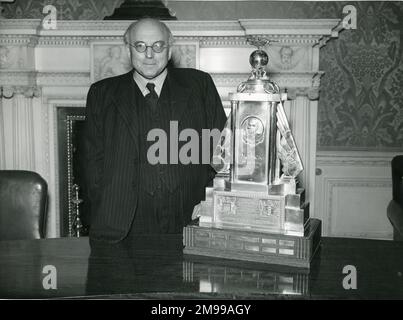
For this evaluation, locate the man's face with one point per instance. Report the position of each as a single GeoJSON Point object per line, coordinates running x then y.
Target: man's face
{"type": "Point", "coordinates": [149, 63]}
{"type": "Point", "coordinates": [251, 127]}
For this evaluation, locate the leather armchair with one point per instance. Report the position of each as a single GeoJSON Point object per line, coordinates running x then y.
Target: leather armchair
{"type": "Point", "coordinates": [395, 207]}
{"type": "Point", "coordinates": [23, 205]}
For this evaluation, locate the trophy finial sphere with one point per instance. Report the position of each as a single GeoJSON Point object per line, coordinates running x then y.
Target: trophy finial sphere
{"type": "Point", "coordinates": [258, 59]}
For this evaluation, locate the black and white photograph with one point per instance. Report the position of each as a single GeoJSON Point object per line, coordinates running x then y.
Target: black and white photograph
{"type": "Point", "coordinates": [196, 156]}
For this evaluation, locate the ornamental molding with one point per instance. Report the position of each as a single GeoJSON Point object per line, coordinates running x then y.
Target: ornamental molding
{"type": "Point", "coordinates": [70, 100]}
{"type": "Point", "coordinates": [212, 41]}
{"type": "Point", "coordinates": [18, 78]}
{"type": "Point", "coordinates": [353, 162]}
{"type": "Point", "coordinates": [30, 83]}
{"type": "Point", "coordinates": [296, 84]}
{"type": "Point", "coordinates": [305, 30]}
{"type": "Point", "coordinates": [310, 93]}
{"type": "Point", "coordinates": [323, 41]}
{"type": "Point", "coordinates": [220, 41]}
{"type": "Point", "coordinates": [355, 158]}
{"type": "Point", "coordinates": [347, 182]}
{"type": "Point", "coordinates": [292, 26]}
{"type": "Point", "coordinates": [223, 41]}
{"type": "Point", "coordinates": [63, 79]}
{"type": "Point", "coordinates": [13, 40]}
{"type": "Point", "coordinates": [65, 41]}
{"type": "Point", "coordinates": [13, 82]}
{"type": "Point", "coordinates": [236, 27]}
{"type": "Point", "coordinates": [295, 80]}
{"type": "Point", "coordinates": [19, 26]}
{"type": "Point", "coordinates": [9, 92]}
{"type": "Point", "coordinates": [88, 25]}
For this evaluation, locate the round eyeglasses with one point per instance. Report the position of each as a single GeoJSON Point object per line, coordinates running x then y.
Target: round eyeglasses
{"type": "Point", "coordinates": [141, 47]}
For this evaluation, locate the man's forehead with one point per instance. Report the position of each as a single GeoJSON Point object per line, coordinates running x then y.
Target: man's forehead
{"type": "Point", "coordinates": [149, 31]}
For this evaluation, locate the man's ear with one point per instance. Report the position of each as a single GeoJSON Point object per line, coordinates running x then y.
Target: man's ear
{"type": "Point", "coordinates": [169, 53]}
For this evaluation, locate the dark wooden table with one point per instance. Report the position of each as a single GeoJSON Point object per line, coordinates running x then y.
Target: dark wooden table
{"type": "Point", "coordinates": [123, 271]}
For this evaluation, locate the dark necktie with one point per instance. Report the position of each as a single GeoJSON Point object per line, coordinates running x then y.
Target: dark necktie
{"type": "Point", "coordinates": [151, 97]}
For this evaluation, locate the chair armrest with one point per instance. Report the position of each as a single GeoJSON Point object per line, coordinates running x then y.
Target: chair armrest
{"type": "Point", "coordinates": [395, 215]}
{"type": "Point", "coordinates": [397, 179]}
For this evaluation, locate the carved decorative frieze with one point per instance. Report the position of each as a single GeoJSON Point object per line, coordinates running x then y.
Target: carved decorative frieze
{"type": "Point", "coordinates": [12, 39]}
{"type": "Point", "coordinates": [110, 58]}
{"type": "Point", "coordinates": [204, 41]}
{"type": "Point", "coordinates": [300, 29]}
{"type": "Point", "coordinates": [18, 77]}
{"type": "Point", "coordinates": [16, 57]}
{"type": "Point", "coordinates": [289, 58]}
{"type": "Point", "coordinates": [290, 51]}
{"type": "Point", "coordinates": [74, 41]}
{"type": "Point", "coordinates": [18, 82]}
{"type": "Point", "coordinates": [27, 91]}
{"type": "Point", "coordinates": [223, 42]}
{"type": "Point", "coordinates": [18, 24]}
{"type": "Point", "coordinates": [63, 79]}
{"type": "Point", "coordinates": [318, 27]}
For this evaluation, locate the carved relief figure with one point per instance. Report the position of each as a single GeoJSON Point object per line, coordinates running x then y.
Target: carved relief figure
{"type": "Point", "coordinates": [286, 54]}
{"type": "Point", "coordinates": [4, 57]}
{"type": "Point", "coordinates": [114, 64]}
{"type": "Point", "coordinates": [287, 58]}
{"type": "Point", "coordinates": [184, 56]}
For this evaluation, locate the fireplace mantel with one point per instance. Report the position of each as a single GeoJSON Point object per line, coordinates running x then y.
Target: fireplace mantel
{"type": "Point", "coordinates": [42, 70]}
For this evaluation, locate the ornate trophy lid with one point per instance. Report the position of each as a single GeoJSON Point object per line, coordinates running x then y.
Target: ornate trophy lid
{"type": "Point", "coordinates": [259, 81]}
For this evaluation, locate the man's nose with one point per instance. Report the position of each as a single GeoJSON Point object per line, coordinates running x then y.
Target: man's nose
{"type": "Point", "coordinates": [149, 52]}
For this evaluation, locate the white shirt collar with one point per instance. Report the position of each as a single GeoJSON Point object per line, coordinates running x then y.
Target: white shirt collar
{"type": "Point", "coordinates": [142, 82]}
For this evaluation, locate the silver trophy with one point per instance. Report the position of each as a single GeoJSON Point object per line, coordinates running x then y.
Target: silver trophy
{"type": "Point", "coordinates": [254, 202]}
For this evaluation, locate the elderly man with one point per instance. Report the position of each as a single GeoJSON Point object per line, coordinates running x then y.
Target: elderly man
{"type": "Point", "coordinates": [129, 195]}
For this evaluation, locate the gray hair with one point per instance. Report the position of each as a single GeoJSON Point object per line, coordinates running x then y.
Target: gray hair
{"type": "Point", "coordinates": [126, 35]}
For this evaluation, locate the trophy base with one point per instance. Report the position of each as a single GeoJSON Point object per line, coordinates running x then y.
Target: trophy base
{"type": "Point", "coordinates": [269, 248]}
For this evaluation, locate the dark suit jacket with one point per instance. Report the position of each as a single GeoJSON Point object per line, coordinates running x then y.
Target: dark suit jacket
{"type": "Point", "coordinates": [112, 146]}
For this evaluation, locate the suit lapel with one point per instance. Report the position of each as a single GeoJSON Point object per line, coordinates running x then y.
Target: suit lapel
{"type": "Point", "coordinates": [179, 95]}
{"type": "Point", "coordinates": [126, 103]}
